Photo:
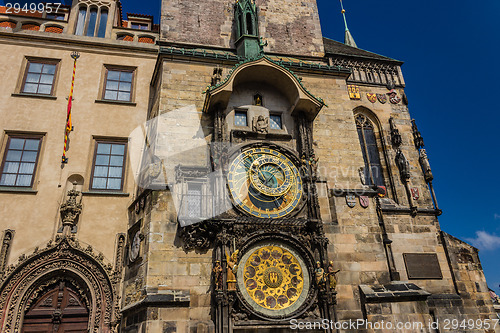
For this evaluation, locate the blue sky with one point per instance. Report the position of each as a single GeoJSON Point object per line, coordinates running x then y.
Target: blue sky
{"type": "Point", "coordinates": [451, 70]}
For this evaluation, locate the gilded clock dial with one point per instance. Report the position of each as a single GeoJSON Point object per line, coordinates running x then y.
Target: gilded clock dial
{"type": "Point", "coordinates": [264, 183]}
{"type": "Point", "coordinates": [273, 279]}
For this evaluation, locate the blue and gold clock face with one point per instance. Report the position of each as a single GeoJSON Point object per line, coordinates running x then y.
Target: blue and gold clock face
{"type": "Point", "coordinates": [264, 183]}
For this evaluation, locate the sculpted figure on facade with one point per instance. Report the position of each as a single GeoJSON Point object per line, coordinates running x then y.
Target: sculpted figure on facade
{"type": "Point", "coordinates": [217, 270]}
{"type": "Point", "coordinates": [232, 267]}
{"type": "Point", "coordinates": [426, 167]}
{"type": "Point", "coordinates": [332, 279]}
{"type": "Point", "coordinates": [260, 124]}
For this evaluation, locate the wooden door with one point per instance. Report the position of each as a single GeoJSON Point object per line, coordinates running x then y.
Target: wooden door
{"type": "Point", "coordinates": [58, 310]}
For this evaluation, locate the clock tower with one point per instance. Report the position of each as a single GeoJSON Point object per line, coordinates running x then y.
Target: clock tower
{"type": "Point", "coordinates": [279, 173]}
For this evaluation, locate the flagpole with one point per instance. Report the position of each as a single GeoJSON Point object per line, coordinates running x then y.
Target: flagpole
{"type": "Point", "coordinates": [69, 126]}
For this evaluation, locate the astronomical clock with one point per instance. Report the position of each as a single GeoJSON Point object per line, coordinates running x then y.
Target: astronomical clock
{"type": "Point", "coordinates": [264, 183]}
{"type": "Point", "coordinates": [267, 250]}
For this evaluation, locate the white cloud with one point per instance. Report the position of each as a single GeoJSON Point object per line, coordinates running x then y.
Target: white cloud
{"type": "Point", "coordinates": [496, 216]}
{"type": "Point", "coordinates": [485, 241]}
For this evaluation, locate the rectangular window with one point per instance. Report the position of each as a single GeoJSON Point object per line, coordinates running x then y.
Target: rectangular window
{"type": "Point", "coordinates": [109, 165]}
{"type": "Point", "coordinates": [118, 85]}
{"type": "Point", "coordinates": [240, 118]}
{"type": "Point", "coordinates": [39, 77]}
{"type": "Point", "coordinates": [20, 161]}
{"type": "Point", "coordinates": [194, 200]}
{"type": "Point", "coordinates": [275, 121]}
{"type": "Point", "coordinates": [139, 26]}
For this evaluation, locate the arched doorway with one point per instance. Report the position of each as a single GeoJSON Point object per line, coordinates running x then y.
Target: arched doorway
{"type": "Point", "coordinates": [59, 309]}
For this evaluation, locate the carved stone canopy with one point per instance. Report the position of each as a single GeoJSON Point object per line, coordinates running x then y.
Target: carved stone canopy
{"type": "Point", "coordinates": [265, 71]}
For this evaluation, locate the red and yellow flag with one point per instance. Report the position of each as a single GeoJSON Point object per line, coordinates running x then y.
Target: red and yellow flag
{"type": "Point", "coordinates": [69, 124]}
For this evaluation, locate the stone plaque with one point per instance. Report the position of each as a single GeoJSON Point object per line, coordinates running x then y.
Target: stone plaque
{"type": "Point", "coordinates": [422, 266]}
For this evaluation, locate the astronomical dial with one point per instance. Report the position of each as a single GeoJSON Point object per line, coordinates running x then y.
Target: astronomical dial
{"type": "Point", "coordinates": [264, 183]}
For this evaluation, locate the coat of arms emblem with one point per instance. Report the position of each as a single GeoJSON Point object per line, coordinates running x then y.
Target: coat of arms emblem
{"type": "Point", "coordinates": [371, 97]}
{"type": "Point", "coordinates": [382, 98]}
{"type": "Point", "coordinates": [353, 91]}
{"type": "Point", "coordinates": [382, 191]}
{"type": "Point", "coordinates": [350, 200]}
{"type": "Point", "coordinates": [415, 193]}
{"type": "Point", "coordinates": [364, 201]}
{"type": "Point", "coordinates": [393, 97]}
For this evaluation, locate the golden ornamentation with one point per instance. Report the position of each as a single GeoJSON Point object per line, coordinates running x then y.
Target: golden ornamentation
{"type": "Point", "coordinates": [273, 277]}
{"type": "Point", "coordinates": [264, 183]}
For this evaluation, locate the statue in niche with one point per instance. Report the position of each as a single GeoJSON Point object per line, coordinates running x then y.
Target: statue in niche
{"type": "Point", "coordinates": [232, 267]}
{"type": "Point", "coordinates": [313, 161]}
{"type": "Point", "coordinates": [217, 270]}
{"type": "Point", "coordinates": [216, 76]}
{"type": "Point", "coordinates": [260, 124]}
{"type": "Point", "coordinates": [320, 276]}
{"type": "Point", "coordinates": [257, 100]}
{"type": "Point", "coordinates": [332, 279]}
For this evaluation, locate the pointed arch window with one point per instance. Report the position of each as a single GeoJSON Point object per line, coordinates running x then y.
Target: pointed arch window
{"type": "Point", "coordinates": [249, 20]}
{"type": "Point", "coordinates": [373, 172]}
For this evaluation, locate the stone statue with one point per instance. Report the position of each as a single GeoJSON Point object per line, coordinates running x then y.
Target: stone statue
{"type": "Point", "coordinates": [403, 165]}
{"type": "Point", "coordinates": [313, 161]}
{"type": "Point", "coordinates": [216, 76]}
{"type": "Point", "coordinates": [361, 172]}
{"type": "Point", "coordinates": [332, 280]}
{"type": "Point", "coordinates": [217, 270]}
{"type": "Point", "coordinates": [232, 267]}
{"type": "Point", "coordinates": [260, 124]}
{"type": "Point", "coordinates": [320, 276]}
{"type": "Point", "coordinates": [426, 167]}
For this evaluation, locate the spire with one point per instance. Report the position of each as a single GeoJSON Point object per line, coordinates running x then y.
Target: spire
{"type": "Point", "coordinates": [348, 40]}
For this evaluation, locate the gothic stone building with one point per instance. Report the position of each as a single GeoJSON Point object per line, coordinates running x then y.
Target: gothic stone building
{"type": "Point", "coordinates": [231, 170]}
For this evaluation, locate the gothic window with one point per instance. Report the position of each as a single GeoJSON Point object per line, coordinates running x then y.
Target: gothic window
{"type": "Point", "coordinates": [240, 118]}
{"type": "Point", "coordinates": [20, 161]}
{"type": "Point", "coordinates": [118, 85]}
{"type": "Point", "coordinates": [108, 167]}
{"type": "Point", "coordinates": [373, 172]}
{"type": "Point", "coordinates": [101, 32]}
{"type": "Point", "coordinates": [91, 22]}
{"type": "Point", "coordinates": [39, 77]}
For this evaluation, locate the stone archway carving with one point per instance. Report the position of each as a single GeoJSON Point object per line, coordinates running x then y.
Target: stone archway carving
{"type": "Point", "coordinates": [64, 258]}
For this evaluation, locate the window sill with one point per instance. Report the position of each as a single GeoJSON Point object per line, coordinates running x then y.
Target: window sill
{"type": "Point", "coordinates": [34, 96]}
{"type": "Point", "coordinates": [106, 101]}
{"type": "Point", "coordinates": [106, 193]}
{"type": "Point", "coordinates": [12, 189]}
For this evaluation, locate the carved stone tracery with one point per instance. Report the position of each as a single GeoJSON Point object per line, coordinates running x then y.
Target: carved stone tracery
{"type": "Point", "coordinates": [64, 259]}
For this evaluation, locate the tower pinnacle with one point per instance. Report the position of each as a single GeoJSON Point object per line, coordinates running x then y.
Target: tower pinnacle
{"type": "Point", "coordinates": [348, 39]}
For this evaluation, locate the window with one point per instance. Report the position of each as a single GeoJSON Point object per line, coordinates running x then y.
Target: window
{"type": "Point", "coordinates": [240, 118]}
{"type": "Point", "coordinates": [102, 24]}
{"type": "Point", "coordinates": [194, 200]}
{"type": "Point", "coordinates": [140, 26]}
{"type": "Point", "coordinates": [109, 165]}
{"type": "Point", "coordinates": [373, 173]}
{"type": "Point", "coordinates": [118, 85]}
{"type": "Point", "coordinates": [275, 121]}
{"type": "Point", "coordinates": [20, 161]}
{"type": "Point", "coordinates": [80, 25]}
{"type": "Point", "coordinates": [39, 77]}
{"type": "Point", "coordinates": [93, 24]}
{"type": "Point", "coordinates": [55, 16]}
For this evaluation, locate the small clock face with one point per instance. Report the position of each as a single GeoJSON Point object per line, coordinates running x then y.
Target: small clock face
{"type": "Point", "coordinates": [264, 183]}
{"type": "Point", "coordinates": [135, 246]}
